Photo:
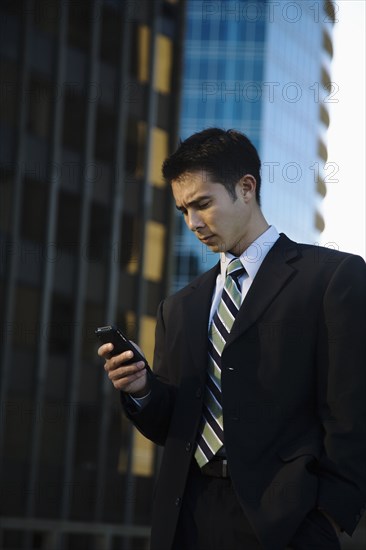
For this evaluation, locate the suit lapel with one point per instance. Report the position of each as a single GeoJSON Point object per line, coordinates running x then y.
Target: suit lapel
{"type": "Point", "coordinates": [270, 279]}
{"type": "Point", "coordinates": [273, 274]}
{"type": "Point", "coordinates": [196, 311]}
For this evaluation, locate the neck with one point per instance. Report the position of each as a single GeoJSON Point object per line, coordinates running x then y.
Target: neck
{"type": "Point", "coordinates": [257, 227]}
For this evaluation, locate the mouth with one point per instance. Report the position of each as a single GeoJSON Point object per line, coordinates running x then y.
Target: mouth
{"type": "Point", "coordinates": [206, 239]}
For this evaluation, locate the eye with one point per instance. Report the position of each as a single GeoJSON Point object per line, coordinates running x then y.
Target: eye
{"type": "Point", "coordinates": [204, 205]}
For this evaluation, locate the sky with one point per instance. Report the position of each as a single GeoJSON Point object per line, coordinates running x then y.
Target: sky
{"type": "Point", "coordinates": [345, 203]}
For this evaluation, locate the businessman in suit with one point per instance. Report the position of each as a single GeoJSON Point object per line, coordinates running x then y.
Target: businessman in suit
{"type": "Point", "coordinates": [258, 386]}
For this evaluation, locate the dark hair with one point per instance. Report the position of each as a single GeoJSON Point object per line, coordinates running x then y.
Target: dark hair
{"type": "Point", "coordinates": [226, 155]}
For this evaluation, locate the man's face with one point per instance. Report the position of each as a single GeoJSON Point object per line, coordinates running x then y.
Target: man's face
{"type": "Point", "coordinates": [217, 220]}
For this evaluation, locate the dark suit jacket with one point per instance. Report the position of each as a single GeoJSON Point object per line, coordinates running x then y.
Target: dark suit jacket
{"type": "Point", "coordinates": [294, 392]}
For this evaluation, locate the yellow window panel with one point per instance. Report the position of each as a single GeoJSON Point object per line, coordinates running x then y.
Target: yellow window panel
{"type": "Point", "coordinates": [164, 59]}
{"type": "Point", "coordinates": [159, 152]}
{"type": "Point", "coordinates": [154, 251]}
{"type": "Point", "coordinates": [147, 337]}
{"type": "Point", "coordinates": [143, 53]}
{"type": "Point", "coordinates": [142, 456]}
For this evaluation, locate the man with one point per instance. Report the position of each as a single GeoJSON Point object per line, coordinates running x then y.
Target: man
{"type": "Point", "coordinates": [258, 386]}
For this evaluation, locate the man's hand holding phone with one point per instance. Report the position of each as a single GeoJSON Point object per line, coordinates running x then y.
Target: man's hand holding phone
{"type": "Point", "coordinates": [130, 378]}
{"type": "Point", "coordinates": [126, 369]}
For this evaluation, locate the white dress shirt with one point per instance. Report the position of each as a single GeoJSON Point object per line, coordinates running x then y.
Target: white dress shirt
{"type": "Point", "coordinates": [251, 259]}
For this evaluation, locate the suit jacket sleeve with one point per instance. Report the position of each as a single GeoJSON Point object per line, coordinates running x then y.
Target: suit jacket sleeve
{"type": "Point", "coordinates": [153, 419]}
{"type": "Point", "coordinates": [342, 393]}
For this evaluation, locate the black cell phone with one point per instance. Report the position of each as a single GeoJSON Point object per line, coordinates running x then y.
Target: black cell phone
{"type": "Point", "coordinates": [114, 335]}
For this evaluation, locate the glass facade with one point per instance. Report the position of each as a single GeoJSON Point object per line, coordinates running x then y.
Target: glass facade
{"type": "Point", "coordinates": [295, 117]}
{"type": "Point", "coordinates": [263, 68]}
{"type": "Point", "coordinates": [223, 66]}
{"type": "Point", "coordinates": [89, 112]}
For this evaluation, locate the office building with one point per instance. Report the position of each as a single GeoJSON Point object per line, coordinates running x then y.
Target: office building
{"type": "Point", "coordinates": [263, 68]}
{"type": "Point", "coordinates": [89, 97]}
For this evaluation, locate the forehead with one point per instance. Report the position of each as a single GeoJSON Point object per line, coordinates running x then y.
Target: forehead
{"type": "Point", "coordinates": [191, 184]}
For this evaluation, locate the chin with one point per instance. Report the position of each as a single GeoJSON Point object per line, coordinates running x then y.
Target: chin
{"type": "Point", "coordinates": [217, 248]}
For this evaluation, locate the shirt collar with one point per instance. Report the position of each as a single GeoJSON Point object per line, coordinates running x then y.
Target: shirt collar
{"type": "Point", "coordinates": [254, 255]}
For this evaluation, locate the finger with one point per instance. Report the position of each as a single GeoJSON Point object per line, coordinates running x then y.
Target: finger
{"type": "Point", "coordinates": [126, 382]}
{"type": "Point", "coordinates": [119, 360]}
{"type": "Point", "coordinates": [123, 357]}
{"type": "Point", "coordinates": [130, 385]}
{"type": "Point", "coordinates": [105, 349]}
{"type": "Point", "coordinates": [124, 372]}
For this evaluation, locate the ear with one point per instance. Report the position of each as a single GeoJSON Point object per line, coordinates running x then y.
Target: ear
{"type": "Point", "coordinates": [248, 185]}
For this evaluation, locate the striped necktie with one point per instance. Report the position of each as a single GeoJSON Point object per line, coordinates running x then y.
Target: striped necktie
{"type": "Point", "coordinates": [211, 433]}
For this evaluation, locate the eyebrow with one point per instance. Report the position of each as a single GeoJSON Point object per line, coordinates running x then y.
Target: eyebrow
{"type": "Point", "coordinates": [195, 202]}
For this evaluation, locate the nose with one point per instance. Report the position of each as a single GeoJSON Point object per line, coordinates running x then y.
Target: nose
{"type": "Point", "coordinates": [194, 220]}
